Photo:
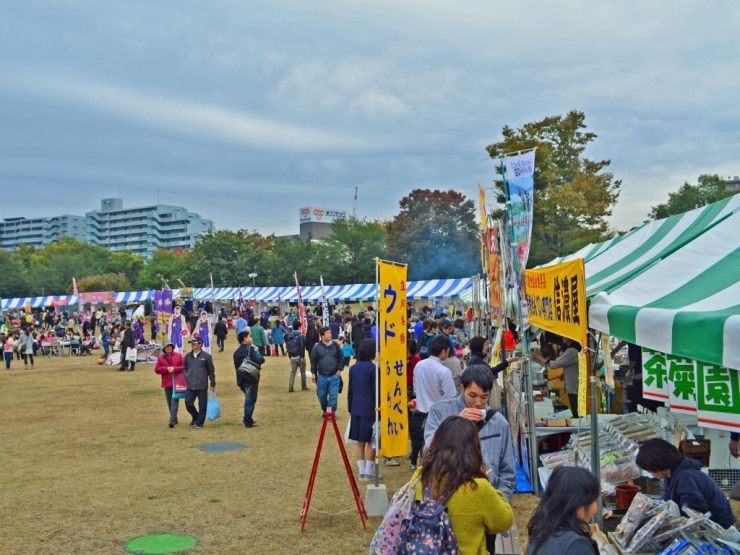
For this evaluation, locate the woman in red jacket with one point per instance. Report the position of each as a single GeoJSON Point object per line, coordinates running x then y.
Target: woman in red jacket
{"type": "Point", "coordinates": [170, 365]}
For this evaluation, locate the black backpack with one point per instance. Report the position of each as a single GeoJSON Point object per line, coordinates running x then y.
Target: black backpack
{"type": "Point", "coordinates": [293, 344]}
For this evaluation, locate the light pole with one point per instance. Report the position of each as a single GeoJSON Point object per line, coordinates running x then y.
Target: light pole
{"type": "Point", "coordinates": [254, 292]}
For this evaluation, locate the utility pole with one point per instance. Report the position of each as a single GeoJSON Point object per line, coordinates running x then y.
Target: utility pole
{"type": "Point", "coordinates": [354, 205]}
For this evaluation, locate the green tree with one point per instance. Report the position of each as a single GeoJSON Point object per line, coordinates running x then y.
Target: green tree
{"type": "Point", "coordinates": [13, 277]}
{"type": "Point", "coordinates": [167, 265]}
{"type": "Point", "coordinates": [290, 255]}
{"type": "Point", "coordinates": [126, 263]}
{"type": "Point", "coordinates": [709, 189]}
{"type": "Point", "coordinates": [53, 267]}
{"type": "Point", "coordinates": [351, 250]}
{"type": "Point", "coordinates": [573, 195]}
{"type": "Point", "coordinates": [104, 282]}
{"type": "Point", "coordinates": [230, 256]}
{"type": "Point", "coordinates": [436, 234]}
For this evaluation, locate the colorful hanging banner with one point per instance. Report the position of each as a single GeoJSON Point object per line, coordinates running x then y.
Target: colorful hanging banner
{"type": "Point", "coordinates": [494, 274]}
{"type": "Point", "coordinates": [482, 203]}
{"type": "Point", "coordinates": [583, 384]}
{"type": "Point", "coordinates": [162, 310]}
{"type": "Point", "coordinates": [608, 363]}
{"type": "Point", "coordinates": [520, 177]}
{"type": "Point", "coordinates": [392, 329]}
{"type": "Point", "coordinates": [99, 297]}
{"type": "Point", "coordinates": [556, 297]}
{"type": "Point", "coordinates": [301, 306]}
{"type": "Point", "coordinates": [324, 304]}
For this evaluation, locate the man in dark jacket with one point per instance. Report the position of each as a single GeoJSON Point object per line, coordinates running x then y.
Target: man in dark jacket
{"type": "Point", "coordinates": [245, 382]}
{"type": "Point", "coordinates": [327, 362]}
{"type": "Point", "coordinates": [479, 355]}
{"type": "Point", "coordinates": [198, 372]}
{"type": "Point", "coordinates": [220, 330]}
{"type": "Point", "coordinates": [296, 343]}
{"type": "Point", "coordinates": [128, 342]}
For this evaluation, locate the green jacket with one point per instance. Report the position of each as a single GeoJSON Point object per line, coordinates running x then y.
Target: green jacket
{"type": "Point", "coordinates": [259, 337]}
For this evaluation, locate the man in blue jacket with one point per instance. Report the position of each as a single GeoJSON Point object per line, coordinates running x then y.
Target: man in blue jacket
{"type": "Point", "coordinates": [476, 383]}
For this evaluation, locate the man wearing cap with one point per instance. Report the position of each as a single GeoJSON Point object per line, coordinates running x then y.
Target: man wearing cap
{"type": "Point", "coordinates": [199, 371]}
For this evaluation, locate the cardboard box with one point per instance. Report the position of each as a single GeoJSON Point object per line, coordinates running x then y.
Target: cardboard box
{"type": "Point", "coordinates": [558, 422]}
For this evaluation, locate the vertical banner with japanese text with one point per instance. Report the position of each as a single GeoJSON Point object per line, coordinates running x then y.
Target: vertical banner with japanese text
{"type": "Point", "coordinates": [162, 310]}
{"type": "Point", "coordinates": [494, 274]}
{"type": "Point", "coordinates": [556, 296]}
{"type": "Point", "coordinates": [392, 329]}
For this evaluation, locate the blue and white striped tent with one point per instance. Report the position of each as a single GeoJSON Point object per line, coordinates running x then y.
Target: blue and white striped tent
{"type": "Point", "coordinates": [433, 288]}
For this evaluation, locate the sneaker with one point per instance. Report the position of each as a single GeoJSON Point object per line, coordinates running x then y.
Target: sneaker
{"type": "Point", "coordinates": [412, 466]}
{"type": "Point", "coordinates": [172, 424]}
{"type": "Point", "coordinates": [290, 390]}
{"type": "Point", "coordinates": [252, 425]}
{"type": "Point", "coordinates": [198, 427]}
{"type": "Point", "coordinates": [370, 477]}
{"type": "Point", "coordinates": [392, 462]}
{"type": "Point", "coordinates": [192, 423]}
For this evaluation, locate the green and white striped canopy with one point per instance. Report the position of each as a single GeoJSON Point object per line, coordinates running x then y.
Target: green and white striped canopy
{"type": "Point", "coordinates": [652, 242]}
{"type": "Point", "coordinates": [687, 302]}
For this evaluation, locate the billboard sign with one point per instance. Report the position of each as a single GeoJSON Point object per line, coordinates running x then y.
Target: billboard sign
{"type": "Point", "coordinates": [323, 215]}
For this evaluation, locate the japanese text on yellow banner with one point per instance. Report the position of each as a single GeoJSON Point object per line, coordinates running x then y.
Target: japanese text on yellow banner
{"type": "Point", "coordinates": [392, 330]}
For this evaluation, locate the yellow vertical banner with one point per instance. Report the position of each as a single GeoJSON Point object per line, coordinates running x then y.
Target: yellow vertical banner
{"type": "Point", "coordinates": [483, 211]}
{"type": "Point", "coordinates": [392, 330]}
{"type": "Point", "coordinates": [583, 383]}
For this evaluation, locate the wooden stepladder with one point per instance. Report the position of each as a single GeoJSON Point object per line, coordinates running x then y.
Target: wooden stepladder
{"type": "Point", "coordinates": [329, 417]}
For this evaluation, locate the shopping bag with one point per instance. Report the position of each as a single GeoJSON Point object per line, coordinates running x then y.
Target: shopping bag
{"type": "Point", "coordinates": [131, 354]}
{"type": "Point", "coordinates": [180, 386]}
{"type": "Point", "coordinates": [214, 408]}
{"type": "Point", "coordinates": [347, 440]}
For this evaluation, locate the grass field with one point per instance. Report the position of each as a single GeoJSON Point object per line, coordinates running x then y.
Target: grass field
{"type": "Point", "coordinates": [89, 463]}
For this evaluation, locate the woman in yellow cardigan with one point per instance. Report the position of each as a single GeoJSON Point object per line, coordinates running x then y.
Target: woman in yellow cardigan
{"type": "Point", "coordinates": [453, 463]}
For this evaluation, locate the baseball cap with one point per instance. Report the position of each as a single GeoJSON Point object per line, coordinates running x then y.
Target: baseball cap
{"type": "Point", "coordinates": [196, 340]}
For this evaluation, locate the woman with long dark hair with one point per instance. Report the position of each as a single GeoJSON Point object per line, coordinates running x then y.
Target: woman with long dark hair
{"type": "Point", "coordinates": [453, 469]}
{"type": "Point", "coordinates": [312, 336]}
{"type": "Point", "coordinates": [559, 524]}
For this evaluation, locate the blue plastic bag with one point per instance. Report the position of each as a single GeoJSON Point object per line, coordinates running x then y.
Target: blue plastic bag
{"type": "Point", "coordinates": [213, 410]}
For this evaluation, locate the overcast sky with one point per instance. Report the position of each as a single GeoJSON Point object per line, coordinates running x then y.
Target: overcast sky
{"type": "Point", "coordinates": [245, 111]}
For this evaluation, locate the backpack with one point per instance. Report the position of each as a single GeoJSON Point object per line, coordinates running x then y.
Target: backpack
{"type": "Point", "coordinates": [388, 535]}
{"type": "Point", "coordinates": [424, 346]}
{"type": "Point", "coordinates": [428, 530]}
{"type": "Point", "coordinates": [293, 344]}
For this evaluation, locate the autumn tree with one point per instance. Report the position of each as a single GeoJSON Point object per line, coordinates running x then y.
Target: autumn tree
{"type": "Point", "coordinates": [436, 234]}
{"type": "Point", "coordinates": [573, 194]}
{"type": "Point", "coordinates": [104, 282]}
{"type": "Point", "coordinates": [709, 189]}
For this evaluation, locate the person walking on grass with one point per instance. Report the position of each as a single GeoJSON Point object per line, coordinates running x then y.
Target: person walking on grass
{"type": "Point", "coordinates": [259, 337]}
{"type": "Point", "coordinates": [26, 346]}
{"type": "Point", "coordinates": [129, 342]}
{"type": "Point", "coordinates": [296, 345]}
{"type": "Point", "coordinates": [220, 330]}
{"type": "Point", "coordinates": [169, 365]}
{"type": "Point", "coordinates": [199, 370]}
{"type": "Point", "coordinates": [245, 382]}
{"type": "Point", "coordinates": [327, 362]}
{"type": "Point", "coordinates": [278, 337]}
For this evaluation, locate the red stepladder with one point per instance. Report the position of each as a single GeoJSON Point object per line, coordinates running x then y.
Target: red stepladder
{"type": "Point", "coordinates": [329, 417]}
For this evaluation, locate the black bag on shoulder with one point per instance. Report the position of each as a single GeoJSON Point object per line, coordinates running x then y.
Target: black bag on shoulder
{"type": "Point", "coordinates": [248, 367]}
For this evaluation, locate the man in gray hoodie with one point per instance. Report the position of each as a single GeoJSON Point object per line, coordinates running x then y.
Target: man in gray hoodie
{"type": "Point", "coordinates": [199, 370]}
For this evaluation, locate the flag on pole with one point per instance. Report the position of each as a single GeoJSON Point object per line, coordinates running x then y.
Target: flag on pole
{"type": "Point", "coordinates": [212, 288]}
{"type": "Point", "coordinates": [80, 305]}
{"type": "Point", "coordinates": [324, 304]}
{"type": "Point", "coordinates": [301, 308]}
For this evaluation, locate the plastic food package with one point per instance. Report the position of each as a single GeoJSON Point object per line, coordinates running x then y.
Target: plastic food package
{"type": "Point", "coordinates": [645, 534]}
{"type": "Point", "coordinates": [632, 519]}
{"type": "Point", "coordinates": [618, 473]}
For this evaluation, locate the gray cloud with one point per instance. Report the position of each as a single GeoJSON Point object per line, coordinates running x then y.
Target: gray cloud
{"type": "Point", "coordinates": [247, 111]}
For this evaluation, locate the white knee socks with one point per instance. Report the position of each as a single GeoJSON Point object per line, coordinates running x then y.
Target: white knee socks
{"type": "Point", "coordinates": [361, 467]}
